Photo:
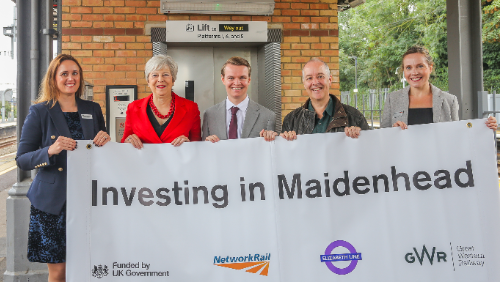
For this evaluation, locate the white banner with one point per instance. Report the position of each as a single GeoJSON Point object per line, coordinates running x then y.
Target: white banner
{"type": "Point", "coordinates": [415, 205]}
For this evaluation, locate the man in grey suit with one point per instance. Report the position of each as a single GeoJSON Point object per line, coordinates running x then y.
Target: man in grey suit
{"type": "Point", "coordinates": [237, 116]}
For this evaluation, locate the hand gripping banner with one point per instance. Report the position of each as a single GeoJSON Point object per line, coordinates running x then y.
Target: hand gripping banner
{"type": "Point", "coordinates": [415, 205]}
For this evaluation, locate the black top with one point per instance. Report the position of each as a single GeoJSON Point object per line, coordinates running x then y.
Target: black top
{"type": "Point", "coordinates": [74, 125]}
{"type": "Point", "coordinates": [419, 116]}
{"type": "Point", "coordinates": [156, 125]}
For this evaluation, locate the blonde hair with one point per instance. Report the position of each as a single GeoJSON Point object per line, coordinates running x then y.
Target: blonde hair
{"type": "Point", "coordinates": [48, 88]}
{"type": "Point", "coordinates": [236, 61]}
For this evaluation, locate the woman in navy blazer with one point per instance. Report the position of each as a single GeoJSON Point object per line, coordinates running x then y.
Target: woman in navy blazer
{"type": "Point", "coordinates": [57, 118]}
{"type": "Point", "coordinates": [421, 102]}
{"type": "Point", "coordinates": [162, 117]}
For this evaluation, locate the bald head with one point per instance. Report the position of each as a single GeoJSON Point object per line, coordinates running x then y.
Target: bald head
{"type": "Point", "coordinates": [326, 69]}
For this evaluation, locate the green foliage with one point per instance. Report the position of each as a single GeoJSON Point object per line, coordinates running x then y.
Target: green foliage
{"type": "Point", "coordinates": [379, 33]}
{"type": "Point", "coordinates": [491, 44]}
{"type": "Point", "coordinates": [8, 108]}
{"type": "Point", "coordinates": [491, 66]}
{"type": "Point", "coordinates": [491, 20]}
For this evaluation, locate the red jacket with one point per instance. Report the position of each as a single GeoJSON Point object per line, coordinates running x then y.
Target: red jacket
{"type": "Point", "coordinates": [186, 121]}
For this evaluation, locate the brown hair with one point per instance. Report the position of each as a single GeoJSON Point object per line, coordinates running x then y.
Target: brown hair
{"type": "Point", "coordinates": [48, 88]}
{"type": "Point", "coordinates": [237, 61]}
{"type": "Point", "coordinates": [420, 50]}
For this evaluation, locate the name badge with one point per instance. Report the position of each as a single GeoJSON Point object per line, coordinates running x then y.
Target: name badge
{"type": "Point", "coordinates": [398, 114]}
{"type": "Point", "coordinates": [86, 116]}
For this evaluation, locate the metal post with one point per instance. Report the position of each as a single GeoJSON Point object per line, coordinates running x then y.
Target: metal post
{"type": "Point", "coordinates": [355, 71]}
{"type": "Point", "coordinates": [14, 32]}
{"type": "Point", "coordinates": [3, 106]}
{"type": "Point", "coordinates": [371, 100]}
{"type": "Point", "coordinates": [363, 102]}
{"type": "Point", "coordinates": [494, 102]}
{"type": "Point", "coordinates": [465, 54]}
{"type": "Point", "coordinates": [59, 27]}
{"type": "Point", "coordinates": [29, 48]}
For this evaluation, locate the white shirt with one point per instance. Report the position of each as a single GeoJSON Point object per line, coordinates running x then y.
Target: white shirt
{"type": "Point", "coordinates": [240, 115]}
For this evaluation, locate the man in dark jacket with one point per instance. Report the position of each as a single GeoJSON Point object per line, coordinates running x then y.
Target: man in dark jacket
{"type": "Point", "coordinates": [322, 112]}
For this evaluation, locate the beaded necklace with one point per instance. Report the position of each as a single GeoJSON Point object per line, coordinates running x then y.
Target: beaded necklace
{"type": "Point", "coordinates": [157, 113]}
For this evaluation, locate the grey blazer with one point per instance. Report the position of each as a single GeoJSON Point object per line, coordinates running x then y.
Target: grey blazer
{"type": "Point", "coordinates": [256, 119]}
{"type": "Point", "coordinates": [444, 107]}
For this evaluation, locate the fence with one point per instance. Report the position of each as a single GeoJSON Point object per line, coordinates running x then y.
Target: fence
{"type": "Point", "coordinates": [370, 104]}
{"type": "Point", "coordinates": [489, 103]}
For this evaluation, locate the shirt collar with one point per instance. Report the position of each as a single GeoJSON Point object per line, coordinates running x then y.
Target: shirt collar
{"type": "Point", "coordinates": [242, 106]}
{"type": "Point", "coordinates": [329, 108]}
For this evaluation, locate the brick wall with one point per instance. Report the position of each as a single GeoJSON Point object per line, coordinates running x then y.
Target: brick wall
{"type": "Point", "coordinates": [109, 39]}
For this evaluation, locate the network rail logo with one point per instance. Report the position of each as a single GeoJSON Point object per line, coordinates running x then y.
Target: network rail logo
{"type": "Point", "coordinates": [257, 263]}
{"type": "Point", "coordinates": [328, 258]}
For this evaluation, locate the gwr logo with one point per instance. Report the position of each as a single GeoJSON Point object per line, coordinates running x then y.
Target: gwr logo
{"type": "Point", "coordinates": [420, 256]}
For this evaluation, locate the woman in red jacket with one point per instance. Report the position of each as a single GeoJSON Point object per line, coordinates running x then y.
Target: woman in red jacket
{"type": "Point", "coordinates": [162, 117]}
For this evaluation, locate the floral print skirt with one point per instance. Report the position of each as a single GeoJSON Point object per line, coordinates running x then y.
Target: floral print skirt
{"type": "Point", "coordinates": [47, 236]}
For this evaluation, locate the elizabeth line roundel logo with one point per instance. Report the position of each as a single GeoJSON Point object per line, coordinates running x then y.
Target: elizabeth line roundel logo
{"type": "Point", "coordinates": [353, 256]}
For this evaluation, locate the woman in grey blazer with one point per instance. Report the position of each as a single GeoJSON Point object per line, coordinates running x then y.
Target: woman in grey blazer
{"type": "Point", "coordinates": [420, 102]}
{"type": "Point", "coordinates": [58, 118]}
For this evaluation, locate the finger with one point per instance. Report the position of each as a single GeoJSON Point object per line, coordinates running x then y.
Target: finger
{"type": "Point", "coordinates": [106, 139]}
{"type": "Point", "coordinates": [261, 133]}
{"type": "Point", "coordinates": [97, 137]}
{"type": "Point", "coordinates": [177, 141]}
{"type": "Point", "coordinates": [286, 134]}
{"type": "Point", "coordinates": [137, 145]}
{"type": "Point", "coordinates": [271, 136]}
{"type": "Point", "coordinates": [134, 142]}
{"type": "Point", "coordinates": [355, 133]}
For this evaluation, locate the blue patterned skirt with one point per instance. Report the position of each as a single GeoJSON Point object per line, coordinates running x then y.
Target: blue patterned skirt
{"type": "Point", "coordinates": [47, 236]}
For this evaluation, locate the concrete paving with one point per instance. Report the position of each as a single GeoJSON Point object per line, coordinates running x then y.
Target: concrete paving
{"type": "Point", "coordinates": [7, 179]}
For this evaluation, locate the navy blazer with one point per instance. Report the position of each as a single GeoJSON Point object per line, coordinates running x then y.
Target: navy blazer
{"type": "Point", "coordinates": [40, 130]}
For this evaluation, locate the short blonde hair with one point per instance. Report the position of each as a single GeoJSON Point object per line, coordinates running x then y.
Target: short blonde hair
{"type": "Point", "coordinates": [236, 61]}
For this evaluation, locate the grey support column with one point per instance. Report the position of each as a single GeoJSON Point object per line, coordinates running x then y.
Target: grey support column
{"type": "Point", "coordinates": [465, 54]}
{"type": "Point", "coordinates": [32, 60]}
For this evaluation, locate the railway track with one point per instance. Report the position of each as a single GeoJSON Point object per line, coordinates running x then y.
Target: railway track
{"type": "Point", "coordinates": [7, 141]}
